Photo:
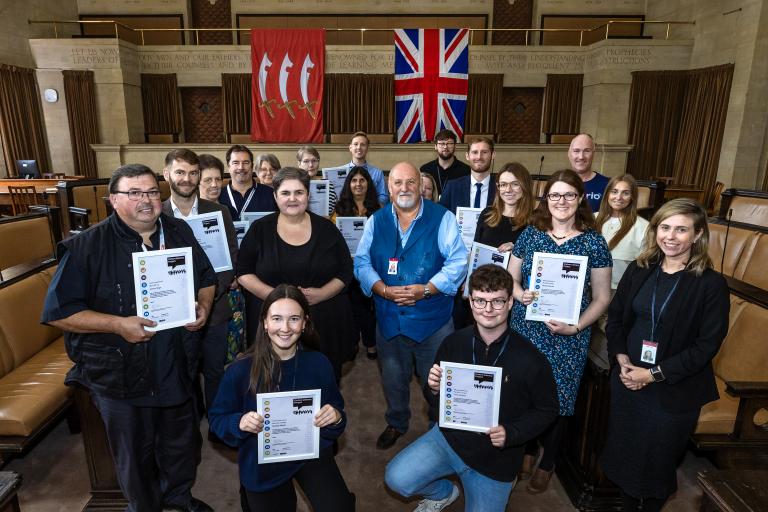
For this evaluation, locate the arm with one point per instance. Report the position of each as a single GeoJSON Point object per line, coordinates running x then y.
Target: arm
{"type": "Point", "coordinates": [255, 285]}
{"type": "Point", "coordinates": [343, 265]}
{"type": "Point", "coordinates": [363, 267]}
{"type": "Point", "coordinates": [614, 328]}
{"type": "Point", "coordinates": [329, 290]}
{"type": "Point", "coordinates": [543, 408]}
{"type": "Point", "coordinates": [452, 248]}
{"type": "Point", "coordinates": [601, 295]}
{"type": "Point", "coordinates": [228, 409]}
{"type": "Point", "coordinates": [331, 418]}
{"type": "Point", "coordinates": [130, 328]}
{"type": "Point", "coordinates": [202, 308]}
{"type": "Point", "coordinates": [381, 186]}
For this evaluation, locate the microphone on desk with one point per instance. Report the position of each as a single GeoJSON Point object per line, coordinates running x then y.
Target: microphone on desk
{"type": "Point", "coordinates": [538, 176]}
{"type": "Point", "coordinates": [96, 204]}
{"type": "Point", "coordinates": [725, 242]}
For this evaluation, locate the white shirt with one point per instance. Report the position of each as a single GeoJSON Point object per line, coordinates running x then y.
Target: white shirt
{"type": "Point", "coordinates": [628, 247]}
{"type": "Point", "coordinates": [177, 213]}
{"type": "Point", "coordinates": [483, 191]}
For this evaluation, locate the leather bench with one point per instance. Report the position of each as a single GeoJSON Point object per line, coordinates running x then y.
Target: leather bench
{"type": "Point", "coordinates": [25, 238]}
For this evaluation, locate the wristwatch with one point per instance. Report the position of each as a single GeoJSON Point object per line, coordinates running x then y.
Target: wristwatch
{"type": "Point", "coordinates": [656, 373]}
{"type": "Point", "coordinates": [427, 292]}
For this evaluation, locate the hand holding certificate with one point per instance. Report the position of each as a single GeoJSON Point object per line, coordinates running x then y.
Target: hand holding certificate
{"type": "Point", "coordinates": [164, 286]}
{"type": "Point", "coordinates": [481, 254]}
{"type": "Point", "coordinates": [469, 396]}
{"type": "Point", "coordinates": [351, 229]}
{"type": "Point", "coordinates": [289, 432]}
{"type": "Point", "coordinates": [467, 219]}
{"type": "Point", "coordinates": [211, 235]}
{"type": "Point", "coordinates": [557, 282]}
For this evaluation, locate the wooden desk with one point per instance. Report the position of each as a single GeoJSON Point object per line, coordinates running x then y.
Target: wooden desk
{"type": "Point", "coordinates": [684, 190]}
{"type": "Point", "coordinates": [46, 189]}
{"type": "Point", "coordinates": [734, 490]}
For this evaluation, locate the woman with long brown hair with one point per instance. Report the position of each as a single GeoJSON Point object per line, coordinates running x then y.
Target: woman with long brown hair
{"type": "Point", "coordinates": [279, 361]}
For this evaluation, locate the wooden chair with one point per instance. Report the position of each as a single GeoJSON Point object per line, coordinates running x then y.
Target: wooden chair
{"type": "Point", "coordinates": [22, 198]}
{"type": "Point", "coordinates": [53, 175]}
{"type": "Point", "coordinates": [78, 219]}
{"type": "Point", "coordinates": [714, 200]}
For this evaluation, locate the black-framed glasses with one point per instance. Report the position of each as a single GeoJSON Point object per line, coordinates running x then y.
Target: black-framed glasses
{"type": "Point", "coordinates": [497, 303]}
{"type": "Point", "coordinates": [136, 195]}
{"type": "Point", "coordinates": [446, 143]}
{"type": "Point", "coordinates": [514, 185]}
{"type": "Point", "coordinates": [569, 196]}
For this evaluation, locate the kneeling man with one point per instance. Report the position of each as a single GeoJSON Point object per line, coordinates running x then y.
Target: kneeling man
{"type": "Point", "coordinates": [487, 464]}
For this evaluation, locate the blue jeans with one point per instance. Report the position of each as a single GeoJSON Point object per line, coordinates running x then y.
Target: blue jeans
{"type": "Point", "coordinates": [420, 470]}
{"type": "Point", "coordinates": [397, 356]}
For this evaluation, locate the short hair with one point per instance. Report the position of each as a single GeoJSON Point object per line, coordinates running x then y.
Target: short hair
{"type": "Point", "coordinates": [478, 140]}
{"type": "Point", "coordinates": [491, 278]}
{"type": "Point", "coordinates": [183, 154]}
{"type": "Point", "coordinates": [542, 217]}
{"type": "Point", "coordinates": [360, 134]}
{"type": "Point", "coordinates": [310, 150]}
{"type": "Point", "coordinates": [290, 173]}
{"type": "Point", "coordinates": [238, 148]}
{"type": "Point", "coordinates": [584, 134]}
{"type": "Point", "coordinates": [128, 171]}
{"type": "Point", "coordinates": [266, 157]}
{"type": "Point", "coordinates": [445, 134]}
{"type": "Point", "coordinates": [652, 253]}
{"type": "Point", "coordinates": [211, 162]}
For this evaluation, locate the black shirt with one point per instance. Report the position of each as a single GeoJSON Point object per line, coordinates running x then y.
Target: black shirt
{"type": "Point", "coordinates": [505, 231]}
{"type": "Point", "coordinates": [443, 176]}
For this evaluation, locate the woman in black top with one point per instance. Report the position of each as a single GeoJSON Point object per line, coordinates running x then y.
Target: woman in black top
{"type": "Point", "coordinates": [501, 223]}
{"type": "Point", "coordinates": [358, 199]}
{"type": "Point", "coordinates": [665, 324]}
{"type": "Point", "coordinates": [295, 246]}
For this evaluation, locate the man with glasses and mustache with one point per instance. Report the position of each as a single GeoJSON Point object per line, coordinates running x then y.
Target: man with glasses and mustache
{"type": "Point", "coordinates": [446, 166]}
{"type": "Point", "coordinates": [412, 260]}
{"type": "Point", "coordinates": [487, 465]}
{"type": "Point", "coordinates": [139, 380]}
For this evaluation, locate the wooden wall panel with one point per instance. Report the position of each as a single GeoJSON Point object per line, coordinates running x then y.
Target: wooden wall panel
{"type": "Point", "coordinates": [208, 15]}
{"type": "Point", "coordinates": [203, 119]}
{"type": "Point", "coordinates": [521, 110]}
{"type": "Point", "coordinates": [517, 14]}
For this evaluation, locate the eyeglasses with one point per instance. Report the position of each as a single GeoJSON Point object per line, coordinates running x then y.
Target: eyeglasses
{"type": "Point", "coordinates": [314, 161]}
{"type": "Point", "coordinates": [514, 185]}
{"type": "Point", "coordinates": [136, 195]}
{"type": "Point", "coordinates": [446, 143]}
{"type": "Point", "coordinates": [495, 303]}
{"type": "Point", "coordinates": [568, 196]}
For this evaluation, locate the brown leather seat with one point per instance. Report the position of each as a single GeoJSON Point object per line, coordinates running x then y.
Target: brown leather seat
{"type": "Point", "coordinates": [24, 240]}
{"type": "Point", "coordinates": [740, 242]}
{"type": "Point", "coordinates": [751, 268]}
{"type": "Point", "coordinates": [750, 210]}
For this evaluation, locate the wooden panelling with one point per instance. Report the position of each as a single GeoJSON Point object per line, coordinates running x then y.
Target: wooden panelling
{"type": "Point", "coordinates": [517, 14]}
{"type": "Point", "coordinates": [206, 14]}
{"type": "Point", "coordinates": [203, 120]}
{"type": "Point", "coordinates": [521, 121]}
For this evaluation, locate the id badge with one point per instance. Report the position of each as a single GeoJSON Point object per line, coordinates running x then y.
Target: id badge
{"type": "Point", "coordinates": [648, 354]}
{"type": "Point", "coordinates": [392, 270]}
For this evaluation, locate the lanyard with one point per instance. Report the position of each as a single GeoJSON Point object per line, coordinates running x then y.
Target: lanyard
{"type": "Point", "coordinates": [245, 204]}
{"type": "Point", "coordinates": [503, 348]}
{"type": "Point", "coordinates": [654, 320]}
{"type": "Point", "coordinates": [162, 239]}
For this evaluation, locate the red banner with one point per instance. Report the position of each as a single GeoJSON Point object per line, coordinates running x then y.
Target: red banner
{"type": "Point", "coordinates": [287, 84]}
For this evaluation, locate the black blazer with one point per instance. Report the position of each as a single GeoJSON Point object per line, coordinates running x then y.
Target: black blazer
{"type": "Point", "coordinates": [690, 333]}
{"type": "Point", "coordinates": [456, 193]}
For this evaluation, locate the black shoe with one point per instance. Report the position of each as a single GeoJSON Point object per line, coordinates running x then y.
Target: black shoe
{"type": "Point", "coordinates": [371, 355]}
{"type": "Point", "coordinates": [387, 438]}
{"type": "Point", "coordinates": [195, 505]}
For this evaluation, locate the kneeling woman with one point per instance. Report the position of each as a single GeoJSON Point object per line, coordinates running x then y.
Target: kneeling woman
{"type": "Point", "coordinates": [279, 361]}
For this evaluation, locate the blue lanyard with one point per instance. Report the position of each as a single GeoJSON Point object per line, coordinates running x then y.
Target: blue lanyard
{"type": "Point", "coordinates": [162, 238]}
{"type": "Point", "coordinates": [654, 320]}
{"type": "Point", "coordinates": [503, 348]}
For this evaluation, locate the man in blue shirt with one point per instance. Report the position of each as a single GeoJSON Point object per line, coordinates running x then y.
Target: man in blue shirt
{"type": "Point", "coordinates": [412, 260]}
{"type": "Point", "coordinates": [581, 153]}
{"type": "Point", "coordinates": [358, 147]}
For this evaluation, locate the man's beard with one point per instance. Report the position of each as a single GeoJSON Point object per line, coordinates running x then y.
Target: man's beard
{"type": "Point", "coordinates": [406, 202]}
{"type": "Point", "coordinates": [180, 192]}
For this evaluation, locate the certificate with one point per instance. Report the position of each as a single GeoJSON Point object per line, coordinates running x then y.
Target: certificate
{"type": "Point", "coordinates": [351, 229]}
{"type": "Point", "coordinates": [557, 281]}
{"type": "Point", "coordinates": [212, 237]}
{"type": "Point", "coordinates": [481, 254]}
{"type": "Point", "coordinates": [253, 216]}
{"type": "Point", "coordinates": [164, 283]}
{"type": "Point", "coordinates": [319, 197]}
{"type": "Point", "coordinates": [467, 219]}
{"type": "Point", "coordinates": [337, 176]}
{"type": "Point", "coordinates": [241, 227]}
{"type": "Point", "coordinates": [469, 396]}
{"type": "Point", "coordinates": [289, 432]}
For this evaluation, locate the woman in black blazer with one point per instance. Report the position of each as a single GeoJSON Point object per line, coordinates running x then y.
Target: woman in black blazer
{"type": "Point", "coordinates": [665, 324]}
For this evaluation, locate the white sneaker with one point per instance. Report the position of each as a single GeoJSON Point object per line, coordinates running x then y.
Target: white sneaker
{"type": "Point", "coordinates": [436, 506]}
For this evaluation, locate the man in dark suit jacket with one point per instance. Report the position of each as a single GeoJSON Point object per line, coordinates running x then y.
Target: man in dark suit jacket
{"type": "Point", "coordinates": [478, 189]}
{"type": "Point", "coordinates": [182, 172]}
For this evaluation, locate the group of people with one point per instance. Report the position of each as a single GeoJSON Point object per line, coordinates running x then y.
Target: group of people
{"type": "Point", "coordinates": [309, 302]}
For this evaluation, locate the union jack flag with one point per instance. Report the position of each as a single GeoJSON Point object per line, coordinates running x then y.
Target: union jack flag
{"type": "Point", "coordinates": [431, 82]}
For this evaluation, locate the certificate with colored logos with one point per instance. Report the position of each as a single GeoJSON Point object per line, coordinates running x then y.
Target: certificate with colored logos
{"type": "Point", "coordinates": [289, 432]}
{"type": "Point", "coordinates": [212, 237]}
{"type": "Point", "coordinates": [467, 219]}
{"type": "Point", "coordinates": [165, 289]}
{"type": "Point", "coordinates": [481, 254]}
{"type": "Point", "coordinates": [469, 396]}
{"type": "Point", "coordinates": [351, 229]}
{"type": "Point", "coordinates": [319, 197]}
{"type": "Point", "coordinates": [557, 282]}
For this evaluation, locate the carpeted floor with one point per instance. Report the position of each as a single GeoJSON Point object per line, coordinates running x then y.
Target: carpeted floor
{"type": "Point", "coordinates": [56, 477]}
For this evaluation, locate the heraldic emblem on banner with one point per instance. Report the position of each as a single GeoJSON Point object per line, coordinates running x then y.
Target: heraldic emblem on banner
{"type": "Point", "coordinates": [431, 82]}
{"type": "Point", "coordinates": [287, 85]}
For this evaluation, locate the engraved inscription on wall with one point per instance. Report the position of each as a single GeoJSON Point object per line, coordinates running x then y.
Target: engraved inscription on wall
{"type": "Point", "coordinates": [360, 62]}
{"type": "Point", "coordinates": [181, 61]}
{"type": "Point", "coordinates": [89, 57]}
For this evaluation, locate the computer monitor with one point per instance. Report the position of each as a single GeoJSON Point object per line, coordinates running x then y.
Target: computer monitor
{"type": "Point", "coordinates": [27, 169]}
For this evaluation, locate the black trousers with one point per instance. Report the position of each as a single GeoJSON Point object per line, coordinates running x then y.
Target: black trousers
{"type": "Point", "coordinates": [322, 483]}
{"type": "Point", "coordinates": [156, 451]}
{"type": "Point", "coordinates": [365, 316]}
{"type": "Point", "coordinates": [214, 352]}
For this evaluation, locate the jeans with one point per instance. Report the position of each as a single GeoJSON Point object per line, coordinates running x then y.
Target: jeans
{"type": "Point", "coordinates": [420, 469]}
{"type": "Point", "coordinates": [397, 356]}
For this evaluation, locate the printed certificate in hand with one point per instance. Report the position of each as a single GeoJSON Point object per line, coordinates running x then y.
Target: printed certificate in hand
{"type": "Point", "coordinates": [289, 431]}
{"type": "Point", "coordinates": [250, 217]}
{"type": "Point", "coordinates": [241, 228]}
{"type": "Point", "coordinates": [319, 197]}
{"type": "Point", "coordinates": [337, 176]}
{"type": "Point", "coordinates": [467, 219]}
{"type": "Point", "coordinates": [351, 229]}
{"type": "Point", "coordinates": [557, 281]}
{"type": "Point", "coordinates": [469, 396]}
{"type": "Point", "coordinates": [212, 237]}
{"type": "Point", "coordinates": [165, 290]}
{"type": "Point", "coordinates": [481, 254]}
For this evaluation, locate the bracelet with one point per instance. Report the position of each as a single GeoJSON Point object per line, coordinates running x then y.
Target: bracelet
{"type": "Point", "coordinates": [577, 328]}
{"type": "Point", "coordinates": [339, 421]}
{"type": "Point", "coordinates": [384, 293]}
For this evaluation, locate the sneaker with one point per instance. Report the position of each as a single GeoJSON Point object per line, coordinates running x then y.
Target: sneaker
{"type": "Point", "coordinates": [437, 505]}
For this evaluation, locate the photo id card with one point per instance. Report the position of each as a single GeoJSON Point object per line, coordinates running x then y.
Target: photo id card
{"type": "Point", "coordinates": [648, 353]}
{"type": "Point", "coordinates": [392, 269]}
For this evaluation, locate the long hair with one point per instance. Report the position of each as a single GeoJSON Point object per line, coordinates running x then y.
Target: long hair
{"type": "Point", "coordinates": [524, 207]}
{"type": "Point", "coordinates": [435, 192]}
{"type": "Point", "coordinates": [345, 206]}
{"type": "Point", "coordinates": [265, 364]}
{"type": "Point", "coordinates": [542, 217]}
{"type": "Point", "coordinates": [652, 253]}
{"type": "Point", "coordinates": [628, 215]}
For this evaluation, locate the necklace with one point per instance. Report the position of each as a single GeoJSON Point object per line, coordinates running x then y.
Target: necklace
{"type": "Point", "coordinates": [560, 237]}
